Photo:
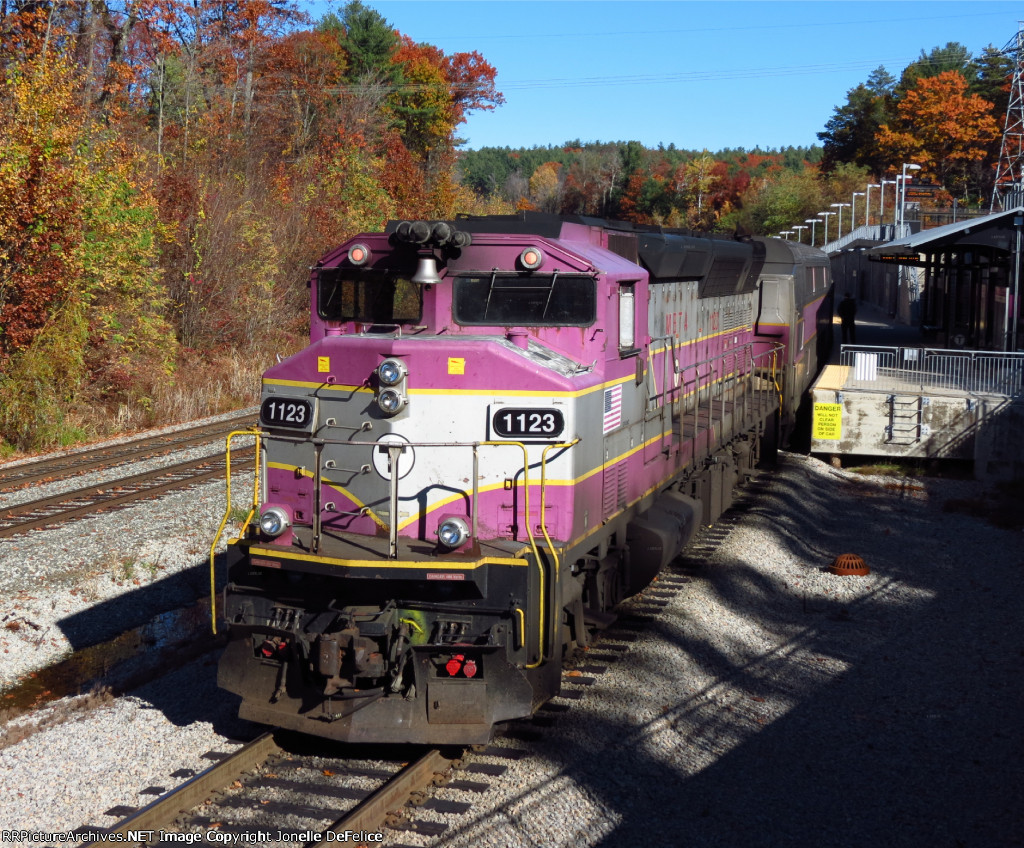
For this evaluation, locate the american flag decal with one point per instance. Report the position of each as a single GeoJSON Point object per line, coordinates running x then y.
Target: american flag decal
{"type": "Point", "coordinates": [612, 408]}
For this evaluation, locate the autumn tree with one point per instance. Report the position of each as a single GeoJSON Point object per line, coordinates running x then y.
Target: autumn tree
{"type": "Point", "coordinates": [776, 203]}
{"type": "Point", "coordinates": [945, 129]}
{"type": "Point", "coordinates": [546, 187]}
{"type": "Point", "coordinates": [695, 182]}
{"type": "Point", "coordinates": [80, 294]}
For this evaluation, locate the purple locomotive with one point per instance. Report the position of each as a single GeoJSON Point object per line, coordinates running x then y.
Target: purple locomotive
{"type": "Point", "coordinates": [502, 427]}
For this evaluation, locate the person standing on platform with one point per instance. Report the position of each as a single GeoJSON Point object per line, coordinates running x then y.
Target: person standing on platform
{"type": "Point", "coordinates": [848, 316]}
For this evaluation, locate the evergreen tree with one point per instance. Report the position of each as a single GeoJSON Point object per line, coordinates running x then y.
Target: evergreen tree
{"type": "Point", "coordinates": [953, 57]}
{"type": "Point", "coordinates": [371, 43]}
{"type": "Point", "coordinates": [849, 135]}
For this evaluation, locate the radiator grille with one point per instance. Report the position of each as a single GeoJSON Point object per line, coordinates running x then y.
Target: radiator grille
{"type": "Point", "coordinates": [624, 246]}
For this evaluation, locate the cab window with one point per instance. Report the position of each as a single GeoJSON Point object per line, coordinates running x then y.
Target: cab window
{"type": "Point", "coordinates": [368, 297]}
{"type": "Point", "coordinates": [525, 300]}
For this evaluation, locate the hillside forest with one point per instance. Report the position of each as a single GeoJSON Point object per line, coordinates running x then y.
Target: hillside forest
{"type": "Point", "coordinates": [169, 170]}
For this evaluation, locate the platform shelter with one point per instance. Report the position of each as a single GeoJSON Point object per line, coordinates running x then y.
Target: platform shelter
{"type": "Point", "coordinates": [970, 292]}
{"type": "Point", "coordinates": [956, 391]}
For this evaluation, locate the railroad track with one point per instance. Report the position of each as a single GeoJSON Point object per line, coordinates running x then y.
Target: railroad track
{"type": "Point", "coordinates": [273, 790]}
{"type": "Point", "coordinates": [59, 509]}
{"type": "Point", "coordinates": [116, 494]}
{"type": "Point", "coordinates": [81, 462]}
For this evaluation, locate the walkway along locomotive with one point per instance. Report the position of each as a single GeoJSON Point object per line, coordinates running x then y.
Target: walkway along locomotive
{"type": "Point", "coordinates": [502, 427]}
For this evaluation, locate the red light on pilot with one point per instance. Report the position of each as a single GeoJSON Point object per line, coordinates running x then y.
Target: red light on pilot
{"type": "Point", "coordinates": [455, 663]}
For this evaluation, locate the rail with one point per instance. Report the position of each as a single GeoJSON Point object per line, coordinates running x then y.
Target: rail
{"type": "Point", "coordinates": [934, 370]}
{"type": "Point", "coordinates": [744, 379]}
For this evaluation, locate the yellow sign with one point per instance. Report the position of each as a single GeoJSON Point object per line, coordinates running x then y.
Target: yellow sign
{"type": "Point", "coordinates": [828, 422]}
{"type": "Point", "coordinates": [323, 364]}
{"type": "Point", "coordinates": [456, 365]}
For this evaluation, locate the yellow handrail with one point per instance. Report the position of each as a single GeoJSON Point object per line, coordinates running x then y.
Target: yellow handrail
{"type": "Point", "coordinates": [543, 506]}
{"type": "Point", "coordinates": [227, 511]}
{"type": "Point", "coordinates": [529, 531]}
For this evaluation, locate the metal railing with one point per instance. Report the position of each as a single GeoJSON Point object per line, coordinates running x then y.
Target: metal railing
{"type": "Point", "coordinates": [934, 370]}
{"type": "Point", "coordinates": [736, 384]}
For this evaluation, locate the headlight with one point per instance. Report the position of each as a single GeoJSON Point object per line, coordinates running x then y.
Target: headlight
{"type": "Point", "coordinates": [453, 532]}
{"type": "Point", "coordinates": [391, 372]}
{"type": "Point", "coordinates": [390, 401]}
{"type": "Point", "coordinates": [274, 521]}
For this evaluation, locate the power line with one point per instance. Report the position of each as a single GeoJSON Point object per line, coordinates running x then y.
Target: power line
{"type": "Point", "coordinates": [534, 35]}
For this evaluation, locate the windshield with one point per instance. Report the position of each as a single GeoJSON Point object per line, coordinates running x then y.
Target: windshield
{"type": "Point", "coordinates": [527, 300]}
{"type": "Point", "coordinates": [369, 297]}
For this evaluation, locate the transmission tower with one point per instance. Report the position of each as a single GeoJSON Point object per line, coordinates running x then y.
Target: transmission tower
{"type": "Point", "coordinates": [1008, 191]}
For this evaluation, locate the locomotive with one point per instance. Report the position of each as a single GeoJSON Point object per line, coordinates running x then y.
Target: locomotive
{"type": "Point", "coordinates": [503, 426]}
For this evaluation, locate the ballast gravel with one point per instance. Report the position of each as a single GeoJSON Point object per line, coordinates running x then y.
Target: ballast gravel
{"type": "Point", "coordinates": [66, 588]}
{"type": "Point", "coordinates": [768, 703]}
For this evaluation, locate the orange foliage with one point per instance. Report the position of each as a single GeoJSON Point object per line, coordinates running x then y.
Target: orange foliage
{"type": "Point", "coordinates": [940, 127]}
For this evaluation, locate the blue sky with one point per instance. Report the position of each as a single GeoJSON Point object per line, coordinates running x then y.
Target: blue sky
{"type": "Point", "coordinates": [694, 74]}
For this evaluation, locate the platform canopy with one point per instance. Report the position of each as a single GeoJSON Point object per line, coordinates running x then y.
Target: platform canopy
{"type": "Point", "coordinates": [992, 232]}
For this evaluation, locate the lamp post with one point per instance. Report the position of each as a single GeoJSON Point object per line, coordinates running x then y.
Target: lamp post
{"type": "Point", "coordinates": [785, 234]}
{"type": "Point", "coordinates": [825, 215]}
{"type": "Point", "coordinates": [799, 229]}
{"type": "Point", "coordinates": [853, 210]}
{"type": "Point", "coordinates": [867, 203]}
{"type": "Point", "coordinates": [812, 222]}
{"type": "Point", "coordinates": [881, 202]}
{"type": "Point", "coordinates": [840, 207]}
{"type": "Point", "coordinates": [903, 195]}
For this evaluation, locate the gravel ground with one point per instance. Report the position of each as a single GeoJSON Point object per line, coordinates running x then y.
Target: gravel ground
{"type": "Point", "coordinates": [769, 704]}
{"type": "Point", "coordinates": [64, 589]}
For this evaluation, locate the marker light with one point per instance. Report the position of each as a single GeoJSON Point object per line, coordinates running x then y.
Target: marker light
{"type": "Point", "coordinates": [391, 401]}
{"type": "Point", "coordinates": [531, 258]}
{"type": "Point", "coordinates": [274, 521]}
{"type": "Point", "coordinates": [359, 254]}
{"type": "Point", "coordinates": [453, 533]}
{"type": "Point", "coordinates": [391, 371]}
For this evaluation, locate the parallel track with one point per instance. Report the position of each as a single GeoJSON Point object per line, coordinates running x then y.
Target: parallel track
{"type": "Point", "coordinates": [91, 500]}
{"type": "Point", "coordinates": [116, 494]}
{"type": "Point", "coordinates": [74, 464]}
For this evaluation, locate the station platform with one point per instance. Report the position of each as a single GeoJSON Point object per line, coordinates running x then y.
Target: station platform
{"type": "Point", "coordinates": [876, 329]}
{"type": "Point", "coordinates": [890, 395]}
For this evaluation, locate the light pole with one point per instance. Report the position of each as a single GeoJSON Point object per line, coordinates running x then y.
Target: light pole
{"type": "Point", "coordinates": [903, 195]}
{"type": "Point", "coordinates": [799, 229]}
{"type": "Point", "coordinates": [785, 234]}
{"type": "Point", "coordinates": [825, 215]}
{"type": "Point", "coordinates": [840, 207]}
{"type": "Point", "coordinates": [881, 202]}
{"type": "Point", "coordinates": [867, 202]}
{"type": "Point", "coordinates": [812, 222]}
{"type": "Point", "coordinates": [853, 210]}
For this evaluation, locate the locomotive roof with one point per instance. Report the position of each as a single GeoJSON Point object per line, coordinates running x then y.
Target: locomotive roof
{"type": "Point", "coordinates": [549, 225]}
{"type": "Point", "coordinates": [722, 264]}
{"type": "Point", "coordinates": [784, 252]}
